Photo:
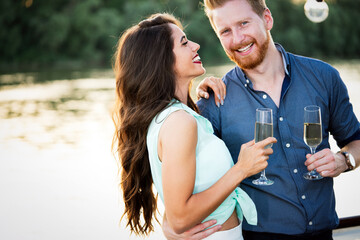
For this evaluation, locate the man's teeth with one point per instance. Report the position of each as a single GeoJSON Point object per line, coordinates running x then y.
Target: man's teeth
{"type": "Point", "coordinates": [245, 48]}
{"type": "Point", "coordinates": [197, 59]}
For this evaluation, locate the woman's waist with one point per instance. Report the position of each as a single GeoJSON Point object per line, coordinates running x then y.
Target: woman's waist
{"type": "Point", "coordinates": [231, 222]}
{"type": "Point", "coordinates": [224, 214]}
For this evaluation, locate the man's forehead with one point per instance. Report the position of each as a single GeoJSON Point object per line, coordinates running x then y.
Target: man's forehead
{"type": "Point", "coordinates": [225, 18]}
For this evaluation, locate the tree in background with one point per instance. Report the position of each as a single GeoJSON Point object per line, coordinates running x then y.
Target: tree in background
{"type": "Point", "coordinates": [57, 31]}
{"type": "Point", "coordinates": [78, 33]}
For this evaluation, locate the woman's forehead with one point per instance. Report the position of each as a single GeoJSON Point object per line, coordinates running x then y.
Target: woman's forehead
{"type": "Point", "coordinates": [176, 31]}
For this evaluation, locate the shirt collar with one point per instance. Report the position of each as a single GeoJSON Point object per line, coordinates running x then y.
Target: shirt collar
{"type": "Point", "coordinates": [285, 59]}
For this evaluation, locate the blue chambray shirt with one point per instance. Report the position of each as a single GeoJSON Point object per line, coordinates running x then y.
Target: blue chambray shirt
{"type": "Point", "coordinates": [292, 205]}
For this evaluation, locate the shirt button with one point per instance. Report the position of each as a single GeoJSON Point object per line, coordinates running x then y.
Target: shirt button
{"type": "Point", "coordinates": [247, 80]}
{"type": "Point", "coordinates": [264, 96]}
{"type": "Point", "coordinates": [281, 119]}
{"type": "Point", "coordinates": [287, 145]}
{"type": "Point", "coordinates": [295, 170]}
{"type": "Point", "coordinates": [310, 223]}
{"type": "Point", "coordinates": [245, 85]}
{"type": "Point", "coordinates": [303, 197]}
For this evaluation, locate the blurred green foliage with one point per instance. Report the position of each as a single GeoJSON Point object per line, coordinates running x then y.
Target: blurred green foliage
{"type": "Point", "coordinates": [78, 33]}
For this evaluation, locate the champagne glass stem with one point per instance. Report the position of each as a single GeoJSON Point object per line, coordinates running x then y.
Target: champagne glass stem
{"type": "Point", "coordinates": [263, 176]}
{"type": "Point", "coordinates": [312, 150]}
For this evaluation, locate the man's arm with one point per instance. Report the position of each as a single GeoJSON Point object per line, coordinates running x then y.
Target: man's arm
{"type": "Point", "coordinates": [354, 149]}
{"type": "Point", "coordinates": [327, 163]}
{"type": "Point", "coordinates": [330, 164]}
{"type": "Point", "coordinates": [196, 233]}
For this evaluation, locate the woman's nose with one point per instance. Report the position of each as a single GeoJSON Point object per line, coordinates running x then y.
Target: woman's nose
{"type": "Point", "coordinates": [195, 46]}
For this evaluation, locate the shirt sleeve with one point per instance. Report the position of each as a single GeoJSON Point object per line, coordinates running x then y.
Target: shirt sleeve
{"type": "Point", "coordinates": [354, 137]}
{"type": "Point", "coordinates": [209, 110]}
{"type": "Point", "coordinates": [344, 126]}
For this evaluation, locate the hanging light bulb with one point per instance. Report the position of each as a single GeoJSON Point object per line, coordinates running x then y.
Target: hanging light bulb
{"type": "Point", "coordinates": [316, 10]}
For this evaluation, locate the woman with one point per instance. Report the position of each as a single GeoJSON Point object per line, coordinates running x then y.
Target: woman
{"type": "Point", "coordinates": [161, 138]}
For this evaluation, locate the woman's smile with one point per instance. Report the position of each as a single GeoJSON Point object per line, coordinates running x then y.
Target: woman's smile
{"type": "Point", "coordinates": [196, 59]}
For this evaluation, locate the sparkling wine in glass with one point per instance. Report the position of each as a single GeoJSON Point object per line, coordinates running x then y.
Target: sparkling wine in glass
{"type": "Point", "coordinates": [263, 130]}
{"type": "Point", "coordinates": [312, 134]}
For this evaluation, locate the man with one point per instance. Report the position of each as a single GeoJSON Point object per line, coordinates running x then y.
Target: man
{"type": "Point", "coordinates": [268, 76]}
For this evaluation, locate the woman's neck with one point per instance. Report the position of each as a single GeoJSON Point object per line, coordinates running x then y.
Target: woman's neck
{"type": "Point", "coordinates": [182, 93]}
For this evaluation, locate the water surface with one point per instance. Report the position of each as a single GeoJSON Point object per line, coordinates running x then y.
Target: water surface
{"type": "Point", "coordinates": [58, 175]}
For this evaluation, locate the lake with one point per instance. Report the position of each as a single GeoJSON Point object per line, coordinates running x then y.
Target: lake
{"type": "Point", "coordinates": [58, 174]}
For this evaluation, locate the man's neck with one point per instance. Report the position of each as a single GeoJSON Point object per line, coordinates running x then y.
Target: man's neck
{"type": "Point", "coordinates": [270, 71]}
{"type": "Point", "coordinates": [269, 75]}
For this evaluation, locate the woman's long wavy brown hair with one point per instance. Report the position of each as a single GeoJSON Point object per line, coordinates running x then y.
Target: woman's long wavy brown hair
{"type": "Point", "coordinates": [145, 85]}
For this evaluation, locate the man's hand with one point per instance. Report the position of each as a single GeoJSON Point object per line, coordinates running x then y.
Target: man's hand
{"type": "Point", "coordinates": [196, 233]}
{"type": "Point", "coordinates": [327, 163]}
{"type": "Point", "coordinates": [218, 87]}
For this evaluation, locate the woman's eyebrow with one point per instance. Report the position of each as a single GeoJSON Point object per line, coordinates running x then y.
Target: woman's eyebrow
{"type": "Point", "coordinates": [182, 38]}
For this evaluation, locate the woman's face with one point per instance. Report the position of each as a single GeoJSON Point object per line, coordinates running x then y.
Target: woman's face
{"type": "Point", "coordinates": [187, 60]}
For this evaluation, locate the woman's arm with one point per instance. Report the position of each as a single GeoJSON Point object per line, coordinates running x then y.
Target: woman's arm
{"type": "Point", "coordinates": [216, 85]}
{"type": "Point", "coordinates": [177, 145]}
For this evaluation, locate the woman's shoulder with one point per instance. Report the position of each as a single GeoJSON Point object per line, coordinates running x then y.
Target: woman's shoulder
{"type": "Point", "coordinates": [175, 115]}
{"type": "Point", "coordinates": [173, 106]}
{"type": "Point", "coordinates": [179, 131]}
{"type": "Point", "coordinates": [180, 121]}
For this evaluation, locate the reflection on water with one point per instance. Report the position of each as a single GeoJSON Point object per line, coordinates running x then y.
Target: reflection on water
{"type": "Point", "coordinates": [57, 170]}
{"type": "Point", "coordinates": [49, 112]}
{"type": "Point", "coordinates": [46, 76]}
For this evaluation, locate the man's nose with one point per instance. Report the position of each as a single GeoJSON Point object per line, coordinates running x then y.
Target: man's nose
{"type": "Point", "coordinates": [238, 37]}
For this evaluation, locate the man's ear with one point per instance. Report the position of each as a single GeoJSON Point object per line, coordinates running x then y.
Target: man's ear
{"type": "Point", "coordinates": [268, 19]}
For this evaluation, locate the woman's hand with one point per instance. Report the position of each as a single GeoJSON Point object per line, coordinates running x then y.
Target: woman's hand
{"type": "Point", "coordinates": [196, 233]}
{"type": "Point", "coordinates": [253, 156]}
{"type": "Point", "coordinates": [218, 87]}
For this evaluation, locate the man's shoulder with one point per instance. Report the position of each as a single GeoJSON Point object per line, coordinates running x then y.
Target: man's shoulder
{"type": "Point", "coordinates": [206, 105]}
{"type": "Point", "coordinates": [232, 75]}
{"type": "Point", "coordinates": [309, 62]}
{"type": "Point", "coordinates": [314, 69]}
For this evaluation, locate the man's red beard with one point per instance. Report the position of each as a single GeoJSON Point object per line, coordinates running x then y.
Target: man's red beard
{"type": "Point", "coordinates": [251, 62]}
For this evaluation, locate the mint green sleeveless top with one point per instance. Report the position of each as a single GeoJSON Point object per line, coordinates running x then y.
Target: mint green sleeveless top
{"type": "Point", "coordinates": [213, 160]}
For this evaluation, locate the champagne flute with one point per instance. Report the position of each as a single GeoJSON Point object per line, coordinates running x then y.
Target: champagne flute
{"type": "Point", "coordinates": [263, 130]}
{"type": "Point", "coordinates": [312, 135]}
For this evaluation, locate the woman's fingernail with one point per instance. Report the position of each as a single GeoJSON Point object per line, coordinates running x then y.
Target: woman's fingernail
{"type": "Point", "coordinates": [219, 97]}
{"type": "Point", "coordinates": [218, 105]}
{"type": "Point", "coordinates": [222, 102]}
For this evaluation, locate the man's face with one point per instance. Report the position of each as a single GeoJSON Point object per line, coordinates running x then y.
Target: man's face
{"type": "Point", "coordinates": [243, 34]}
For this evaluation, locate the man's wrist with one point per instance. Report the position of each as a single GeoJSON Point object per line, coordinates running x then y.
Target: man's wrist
{"type": "Point", "coordinates": [348, 160]}
{"type": "Point", "coordinates": [343, 160]}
